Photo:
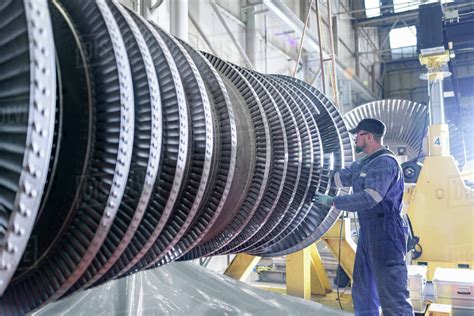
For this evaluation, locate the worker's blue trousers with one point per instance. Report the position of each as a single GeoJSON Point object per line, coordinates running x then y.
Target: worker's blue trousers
{"type": "Point", "coordinates": [380, 272]}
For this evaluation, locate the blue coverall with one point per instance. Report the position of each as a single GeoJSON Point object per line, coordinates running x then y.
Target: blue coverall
{"type": "Point", "coordinates": [380, 270]}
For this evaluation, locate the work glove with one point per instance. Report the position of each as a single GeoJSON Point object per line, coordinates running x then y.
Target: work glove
{"type": "Point", "coordinates": [323, 199]}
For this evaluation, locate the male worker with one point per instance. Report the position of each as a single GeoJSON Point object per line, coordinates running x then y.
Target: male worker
{"type": "Point", "coordinates": [380, 270]}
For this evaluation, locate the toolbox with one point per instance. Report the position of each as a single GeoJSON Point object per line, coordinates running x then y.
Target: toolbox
{"type": "Point", "coordinates": [454, 287]}
{"type": "Point", "coordinates": [417, 277]}
{"type": "Point", "coordinates": [417, 281]}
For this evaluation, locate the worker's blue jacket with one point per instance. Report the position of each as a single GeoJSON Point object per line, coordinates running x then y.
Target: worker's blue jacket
{"type": "Point", "coordinates": [380, 271]}
{"type": "Point", "coordinates": [377, 184]}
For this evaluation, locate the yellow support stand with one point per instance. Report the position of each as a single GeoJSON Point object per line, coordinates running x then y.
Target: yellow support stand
{"type": "Point", "coordinates": [241, 266]}
{"type": "Point", "coordinates": [298, 269]}
{"type": "Point", "coordinates": [348, 246]}
{"type": "Point", "coordinates": [305, 274]}
{"type": "Point", "coordinates": [320, 284]}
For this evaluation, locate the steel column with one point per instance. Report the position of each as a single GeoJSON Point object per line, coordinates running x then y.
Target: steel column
{"type": "Point", "coordinates": [179, 19]}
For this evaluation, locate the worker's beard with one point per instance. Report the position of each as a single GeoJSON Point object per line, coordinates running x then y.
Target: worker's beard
{"type": "Point", "coordinates": [359, 149]}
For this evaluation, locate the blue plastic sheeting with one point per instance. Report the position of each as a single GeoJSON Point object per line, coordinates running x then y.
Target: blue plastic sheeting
{"type": "Point", "coordinates": [182, 288]}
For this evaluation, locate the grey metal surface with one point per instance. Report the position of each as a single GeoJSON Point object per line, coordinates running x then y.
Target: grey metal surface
{"type": "Point", "coordinates": [294, 182]}
{"type": "Point", "coordinates": [339, 149]}
{"type": "Point", "coordinates": [306, 170]}
{"type": "Point", "coordinates": [182, 288]}
{"type": "Point", "coordinates": [317, 221]}
{"type": "Point", "coordinates": [315, 168]}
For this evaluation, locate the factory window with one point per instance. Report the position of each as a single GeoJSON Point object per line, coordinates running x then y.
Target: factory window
{"type": "Point", "coordinates": [372, 8]}
{"type": "Point", "coordinates": [403, 42]}
{"type": "Point", "coordinates": [405, 5]}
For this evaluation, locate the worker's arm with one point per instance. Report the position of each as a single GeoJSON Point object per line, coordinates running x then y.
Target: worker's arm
{"type": "Point", "coordinates": [343, 177]}
{"type": "Point", "coordinates": [380, 176]}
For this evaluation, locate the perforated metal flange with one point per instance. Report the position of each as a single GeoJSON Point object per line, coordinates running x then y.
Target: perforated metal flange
{"type": "Point", "coordinates": [27, 110]}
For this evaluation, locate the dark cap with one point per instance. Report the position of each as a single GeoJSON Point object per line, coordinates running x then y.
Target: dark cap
{"type": "Point", "coordinates": [370, 125]}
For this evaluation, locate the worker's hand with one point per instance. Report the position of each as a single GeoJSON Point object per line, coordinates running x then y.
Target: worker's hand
{"type": "Point", "coordinates": [323, 199]}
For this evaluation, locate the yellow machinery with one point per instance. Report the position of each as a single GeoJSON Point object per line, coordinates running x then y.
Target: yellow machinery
{"type": "Point", "coordinates": [441, 206]}
{"type": "Point", "coordinates": [442, 212]}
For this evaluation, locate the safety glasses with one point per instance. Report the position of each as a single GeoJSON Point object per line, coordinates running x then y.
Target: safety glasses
{"type": "Point", "coordinates": [354, 136]}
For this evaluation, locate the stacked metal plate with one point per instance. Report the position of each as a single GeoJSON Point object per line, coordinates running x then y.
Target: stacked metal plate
{"type": "Point", "coordinates": [123, 149]}
{"type": "Point", "coordinates": [407, 124]}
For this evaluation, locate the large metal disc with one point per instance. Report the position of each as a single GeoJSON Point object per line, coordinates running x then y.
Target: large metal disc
{"type": "Point", "coordinates": [308, 211]}
{"type": "Point", "coordinates": [27, 114]}
{"type": "Point", "coordinates": [407, 123]}
{"type": "Point", "coordinates": [279, 164]}
{"type": "Point", "coordinates": [337, 146]}
{"type": "Point", "coordinates": [76, 134]}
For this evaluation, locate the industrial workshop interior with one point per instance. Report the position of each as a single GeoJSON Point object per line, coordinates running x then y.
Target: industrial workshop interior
{"type": "Point", "coordinates": [237, 157]}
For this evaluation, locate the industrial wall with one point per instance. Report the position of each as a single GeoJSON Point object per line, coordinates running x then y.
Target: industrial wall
{"type": "Point", "coordinates": [403, 81]}
{"type": "Point", "coordinates": [276, 47]}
